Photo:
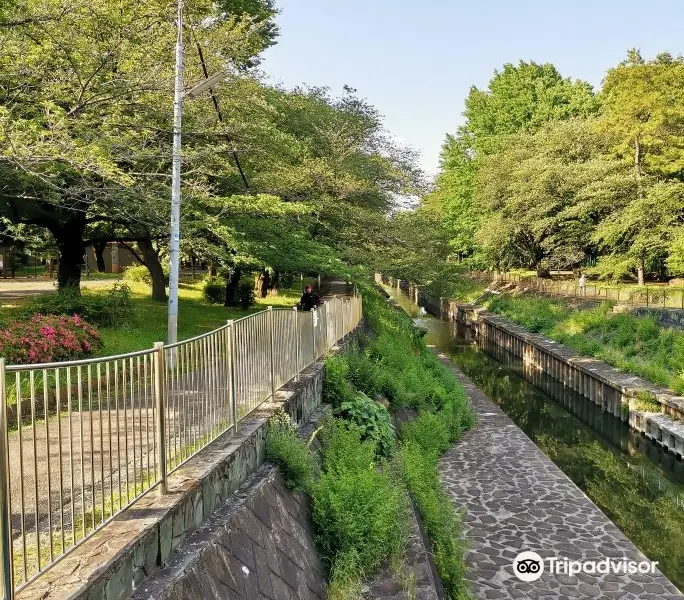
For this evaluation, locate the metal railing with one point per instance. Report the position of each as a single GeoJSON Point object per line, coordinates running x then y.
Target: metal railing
{"type": "Point", "coordinates": [656, 296]}
{"type": "Point", "coordinates": [86, 438]}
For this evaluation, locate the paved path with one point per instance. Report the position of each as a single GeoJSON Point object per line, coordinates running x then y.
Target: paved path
{"type": "Point", "coordinates": [517, 500]}
{"type": "Point", "coordinates": [20, 288]}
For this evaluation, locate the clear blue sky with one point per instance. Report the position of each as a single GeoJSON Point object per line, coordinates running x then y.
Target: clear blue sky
{"type": "Point", "coordinates": [416, 60]}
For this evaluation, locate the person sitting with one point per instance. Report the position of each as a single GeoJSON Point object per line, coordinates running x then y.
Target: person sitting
{"type": "Point", "coordinates": [309, 299]}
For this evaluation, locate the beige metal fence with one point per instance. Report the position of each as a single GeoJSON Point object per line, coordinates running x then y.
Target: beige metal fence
{"type": "Point", "coordinates": [80, 441]}
{"type": "Point", "coordinates": [656, 296]}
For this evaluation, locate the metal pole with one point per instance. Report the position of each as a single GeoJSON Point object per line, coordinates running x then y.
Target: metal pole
{"type": "Point", "coordinates": [160, 407]}
{"type": "Point", "coordinates": [271, 329]}
{"type": "Point", "coordinates": [6, 562]}
{"type": "Point", "coordinates": [296, 335]}
{"type": "Point", "coordinates": [231, 373]}
{"type": "Point", "coordinates": [174, 245]}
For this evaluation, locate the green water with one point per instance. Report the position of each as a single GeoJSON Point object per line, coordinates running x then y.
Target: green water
{"type": "Point", "coordinates": [639, 487]}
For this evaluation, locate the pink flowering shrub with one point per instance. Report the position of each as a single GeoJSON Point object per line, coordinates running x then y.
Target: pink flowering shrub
{"type": "Point", "coordinates": [48, 338]}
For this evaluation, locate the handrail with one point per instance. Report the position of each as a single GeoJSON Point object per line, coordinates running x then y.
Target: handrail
{"type": "Point", "coordinates": [94, 435]}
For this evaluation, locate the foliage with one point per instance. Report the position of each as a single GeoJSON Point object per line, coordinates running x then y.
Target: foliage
{"type": "Point", "coordinates": [108, 309]}
{"type": "Point", "coordinates": [358, 510]}
{"type": "Point", "coordinates": [48, 338]}
{"type": "Point", "coordinates": [336, 386]}
{"type": "Point", "coordinates": [317, 173]}
{"type": "Point", "coordinates": [373, 421]}
{"type": "Point", "coordinates": [393, 350]}
{"type": "Point", "coordinates": [648, 402]}
{"type": "Point", "coordinates": [441, 521]}
{"type": "Point", "coordinates": [137, 273]}
{"type": "Point", "coordinates": [214, 290]}
{"type": "Point", "coordinates": [290, 452]}
{"type": "Point", "coordinates": [141, 274]}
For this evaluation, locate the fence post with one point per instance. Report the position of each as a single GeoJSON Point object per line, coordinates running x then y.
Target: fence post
{"type": "Point", "coordinates": [160, 407]}
{"type": "Point", "coordinates": [6, 562]}
{"type": "Point", "coordinates": [344, 318]}
{"type": "Point", "coordinates": [232, 396]}
{"type": "Point", "coordinates": [646, 296]}
{"type": "Point", "coordinates": [313, 333]}
{"type": "Point", "coordinates": [271, 330]}
{"type": "Point", "coordinates": [296, 336]}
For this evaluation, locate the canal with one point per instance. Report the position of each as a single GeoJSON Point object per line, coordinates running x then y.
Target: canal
{"type": "Point", "coordinates": [639, 487]}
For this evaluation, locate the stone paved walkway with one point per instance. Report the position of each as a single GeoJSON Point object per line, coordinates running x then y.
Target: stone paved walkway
{"type": "Point", "coordinates": [517, 500]}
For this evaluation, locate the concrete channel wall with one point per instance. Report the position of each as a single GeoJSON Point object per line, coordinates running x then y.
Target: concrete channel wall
{"type": "Point", "coordinates": [614, 391]}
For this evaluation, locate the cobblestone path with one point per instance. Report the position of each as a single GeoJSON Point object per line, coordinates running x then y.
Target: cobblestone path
{"type": "Point", "coordinates": [517, 500]}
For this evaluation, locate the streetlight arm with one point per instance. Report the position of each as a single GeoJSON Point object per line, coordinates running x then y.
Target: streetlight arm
{"type": "Point", "coordinates": [205, 85]}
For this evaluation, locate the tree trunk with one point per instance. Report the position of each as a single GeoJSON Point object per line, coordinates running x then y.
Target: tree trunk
{"type": "Point", "coordinates": [265, 283]}
{"type": "Point", "coordinates": [69, 238]}
{"type": "Point", "coordinates": [154, 266]}
{"type": "Point", "coordinates": [99, 248]}
{"type": "Point", "coordinates": [212, 269]}
{"type": "Point", "coordinates": [232, 286]}
{"type": "Point", "coordinates": [640, 274]}
{"type": "Point", "coordinates": [275, 283]}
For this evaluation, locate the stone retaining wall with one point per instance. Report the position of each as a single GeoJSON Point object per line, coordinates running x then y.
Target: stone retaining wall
{"type": "Point", "coordinates": [257, 545]}
{"type": "Point", "coordinates": [668, 317]}
{"type": "Point", "coordinates": [615, 391]}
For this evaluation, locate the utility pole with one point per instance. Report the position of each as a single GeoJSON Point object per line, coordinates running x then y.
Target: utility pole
{"type": "Point", "coordinates": [174, 246]}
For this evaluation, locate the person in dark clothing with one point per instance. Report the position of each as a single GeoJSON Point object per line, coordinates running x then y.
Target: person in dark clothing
{"type": "Point", "coordinates": [309, 299]}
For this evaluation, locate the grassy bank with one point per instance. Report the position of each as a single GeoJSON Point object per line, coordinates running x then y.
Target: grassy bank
{"type": "Point", "coordinates": [368, 471]}
{"type": "Point", "coordinates": [638, 345]}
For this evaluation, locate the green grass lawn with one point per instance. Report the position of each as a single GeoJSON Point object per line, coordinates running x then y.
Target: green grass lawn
{"type": "Point", "coordinates": [149, 321]}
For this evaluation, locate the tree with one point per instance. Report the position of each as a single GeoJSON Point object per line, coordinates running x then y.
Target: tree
{"type": "Point", "coordinates": [86, 126]}
{"type": "Point", "coordinates": [544, 193]}
{"type": "Point", "coordinates": [644, 109]}
{"type": "Point", "coordinates": [518, 100]}
{"type": "Point", "coordinates": [643, 104]}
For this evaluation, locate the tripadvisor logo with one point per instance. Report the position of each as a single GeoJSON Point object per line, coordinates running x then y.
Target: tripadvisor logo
{"type": "Point", "coordinates": [529, 566]}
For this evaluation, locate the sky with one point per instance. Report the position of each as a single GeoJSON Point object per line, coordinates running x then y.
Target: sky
{"type": "Point", "coordinates": [416, 61]}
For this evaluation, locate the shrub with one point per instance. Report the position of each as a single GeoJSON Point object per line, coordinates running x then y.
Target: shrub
{"type": "Point", "coordinates": [111, 308]}
{"type": "Point", "coordinates": [336, 387]}
{"type": "Point", "coordinates": [648, 402]}
{"type": "Point", "coordinates": [290, 452]}
{"type": "Point", "coordinates": [343, 449]}
{"type": "Point", "coordinates": [373, 421]}
{"type": "Point", "coordinates": [214, 290]}
{"type": "Point", "coordinates": [429, 432]}
{"type": "Point", "coordinates": [246, 294]}
{"type": "Point", "coordinates": [48, 338]}
{"type": "Point", "coordinates": [359, 511]}
{"type": "Point", "coordinates": [141, 274]}
{"type": "Point", "coordinates": [363, 373]}
{"type": "Point", "coordinates": [138, 274]}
